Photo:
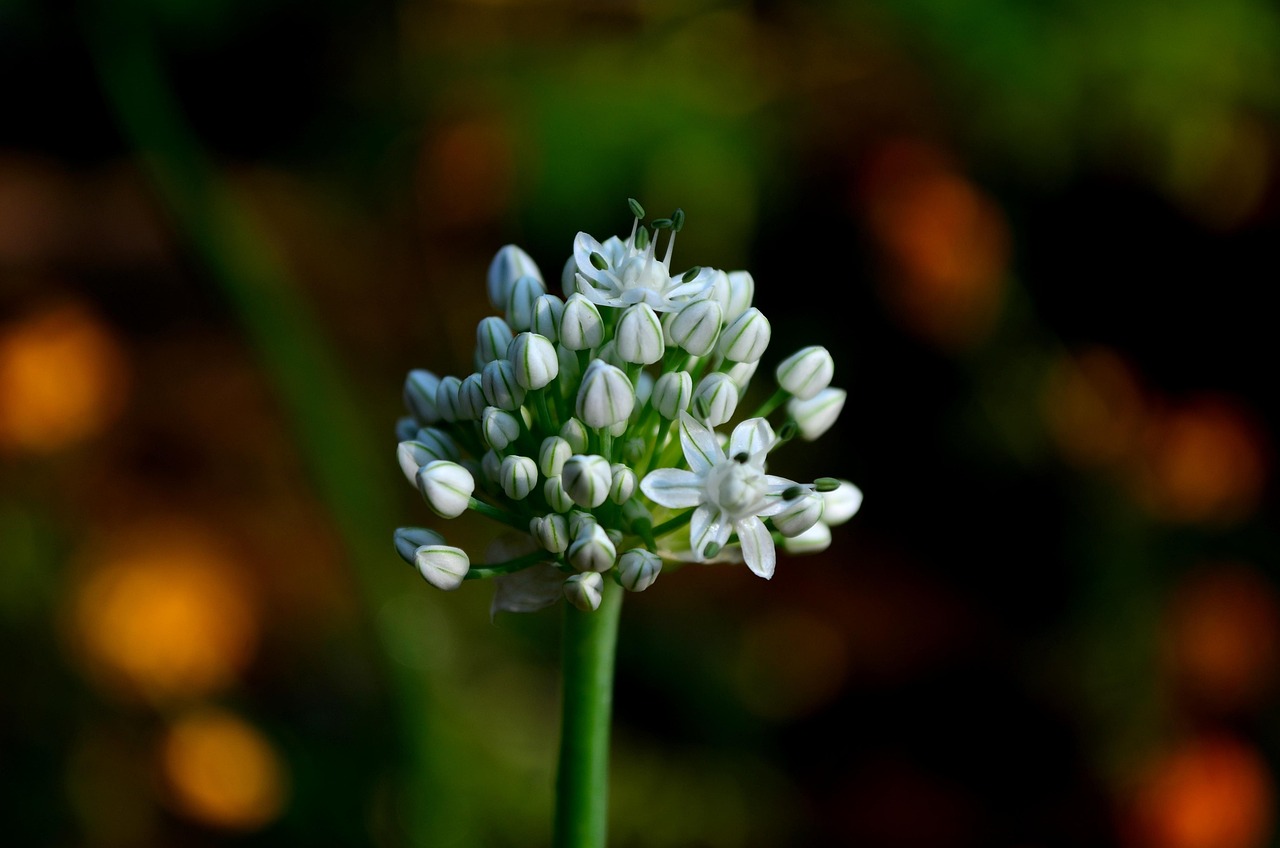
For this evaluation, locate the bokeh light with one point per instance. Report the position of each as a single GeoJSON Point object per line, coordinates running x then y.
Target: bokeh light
{"type": "Point", "coordinates": [63, 378]}
{"type": "Point", "coordinates": [222, 771]}
{"type": "Point", "coordinates": [162, 612]}
{"type": "Point", "coordinates": [1094, 407]}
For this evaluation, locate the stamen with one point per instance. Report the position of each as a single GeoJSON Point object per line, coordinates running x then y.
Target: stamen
{"type": "Point", "coordinates": [740, 458]}
{"type": "Point", "coordinates": [636, 208]}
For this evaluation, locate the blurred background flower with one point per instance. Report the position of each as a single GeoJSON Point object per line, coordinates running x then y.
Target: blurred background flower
{"type": "Point", "coordinates": [1036, 238]}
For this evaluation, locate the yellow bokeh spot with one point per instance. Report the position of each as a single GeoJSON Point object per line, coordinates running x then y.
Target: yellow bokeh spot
{"type": "Point", "coordinates": [164, 614]}
{"type": "Point", "coordinates": [62, 379]}
{"type": "Point", "coordinates": [223, 772]}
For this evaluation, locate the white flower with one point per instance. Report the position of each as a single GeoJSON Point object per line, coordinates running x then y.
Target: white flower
{"type": "Point", "coordinates": [814, 416]}
{"type": "Point", "coordinates": [534, 359]}
{"type": "Point", "coordinates": [587, 478]}
{"type": "Point", "coordinates": [633, 274]}
{"type": "Point", "coordinates": [446, 487]}
{"type": "Point", "coordinates": [799, 514]}
{"type": "Point", "coordinates": [605, 396]}
{"type": "Point", "coordinates": [696, 326]}
{"type": "Point", "coordinates": [746, 338]}
{"type": "Point", "coordinates": [509, 264]}
{"type": "Point", "coordinates": [806, 372]}
{"type": "Point", "coordinates": [592, 549]}
{"type": "Point", "coordinates": [730, 492]}
{"type": "Point", "coordinates": [638, 337]}
{"type": "Point", "coordinates": [518, 475]}
{"type": "Point", "coordinates": [716, 398]}
{"type": "Point", "coordinates": [812, 541]}
{"type": "Point", "coordinates": [584, 590]}
{"type": "Point", "coordinates": [672, 393]}
{"type": "Point", "coordinates": [443, 566]}
{"type": "Point", "coordinates": [841, 504]}
{"type": "Point", "coordinates": [638, 568]}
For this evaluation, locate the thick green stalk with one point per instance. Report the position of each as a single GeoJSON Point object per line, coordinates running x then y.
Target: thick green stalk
{"type": "Point", "coordinates": [582, 779]}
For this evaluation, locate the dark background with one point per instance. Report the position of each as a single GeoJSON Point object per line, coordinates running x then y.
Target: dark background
{"type": "Point", "coordinates": [1038, 239]}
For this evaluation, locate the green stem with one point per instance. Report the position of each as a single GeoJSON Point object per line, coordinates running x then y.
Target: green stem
{"type": "Point", "coordinates": [582, 780]}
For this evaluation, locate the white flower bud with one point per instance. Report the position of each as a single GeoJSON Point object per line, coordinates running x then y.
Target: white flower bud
{"type": "Point", "coordinates": [575, 433]}
{"type": "Point", "coordinates": [814, 540]}
{"type": "Point", "coordinates": [508, 265]}
{"type": "Point", "coordinates": [639, 335]}
{"type": "Point", "coordinates": [581, 522]}
{"type": "Point", "coordinates": [498, 428]}
{"type": "Point", "coordinates": [581, 327]}
{"type": "Point", "coordinates": [547, 312]}
{"type": "Point", "coordinates": [551, 531]}
{"type": "Point", "coordinates": [638, 569]}
{"type": "Point", "coordinates": [672, 393]}
{"type": "Point", "coordinates": [535, 360]}
{"type": "Point", "coordinates": [799, 514]}
{"type": "Point", "coordinates": [605, 396]}
{"type": "Point", "coordinates": [492, 337]}
{"type": "Point", "coordinates": [471, 399]}
{"type": "Point", "coordinates": [413, 454]}
{"type": "Point", "coordinates": [584, 591]}
{"type": "Point", "coordinates": [446, 487]}
{"type": "Point", "coordinates": [570, 370]}
{"type": "Point", "coordinates": [742, 291]}
{"type": "Point", "coordinates": [716, 399]}
{"type": "Point", "coordinates": [806, 372]}
{"type": "Point", "coordinates": [592, 550]}
{"type": "Point", "coordinates": [569, 277]}
{"type": "Point", "coordinates": [442, 566]}
{"type": "Point", "coordinates": [841, 504]}
{"type": "Point", "coordinates": [815, 415]}
{"type": "Point", "coordinates": [524, 293]}
{"type": "Point", "coordinates": [438, 442]}
{"type": "Point", "coordinates": [527, 590]}
{"type": "Point", "coordinates": [718, 289]}
{"type": "Point", "coordinates": [746, 338]}
{"type": "Point", "coordinates": [517, 476]}
{"type": "Point", "coordinates": [491, 468]}
{"type": "Point", "coordinates": [420, 395]}
{"type": "Point", "coordinates": [587, 479]}
{"type": "Point", "coordinates": [552, 455]}
{"type": "Point", "coordinates": [409, 539]}
{"type": "Point", "coordinates": [557, 498]}
{"type": "Point", "coordinates": [741, 374]}
{"type": "Point", "coordinates": [696, 326]}
{"type": "Point", "coordinates": [447, 398]}
{"type": "Point", "coordinates": [623, 484]}
{"type": "Point", "coordinates": [498, 380]}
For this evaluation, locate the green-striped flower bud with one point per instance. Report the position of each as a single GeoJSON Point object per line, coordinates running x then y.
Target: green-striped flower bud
{"type": "Point", "coordinates": [715, 399]}
{"type": "Point", "coordinates": [799, 514]}
{"type": "Point", "coordinates": [576, 434]}
{"type": "Point", "coordinates": [517, 476]}
{"type": "Point", "coordinates": [584, 590]}
{"type": "Point", "coordinates": [492, 337]}
{"type": "Point", "coordinates": [592, 550]}
{"type": "Point", "coordinates": [447, 398]}
{"type": "Point", "coordinates": [746, 338]}
{"type": "Point", "coordinates": [605, 396]}
{"type": "Point", "coordinates": [498, 380]}
{"type": "Point", "coordinates": [672, 394]}
{"type": "Point", "coordinates": [581, 327]}
{"type": "Point", "coordinates": [525, 291]}
{"type": "Point", "coordinates": [806, 372]}
{"type": "Point", "coordinates": [420, 395]}
{"type": "Point", "coordinates": [547, 312]}
{"type": "Point", "coordinates": [413, 454]}
{"type": "Point", "coordinates": [638, 336]}
{"type": "Point", "coordinates": [409, 539]}
{"type": "Point", "coordinates": [491, 469]}
{"type": "Point", "coordinates": [471, 399]}
{"type": "Point", "coordinates": [406, 426]}
{"type": "Point", "coordinates": [638, 569]}
{"type": "Point", "coordinates": [442, 566]}
{"type": "Point", "coordinates": [580, 522]}
{"type": "Point", "coordinates": [446, 487]}
{"type": "Point", "coordinates": [696, 326]}
{"type": "Point", "coordinates": [742, 291]}
{"type": "Point", "coordinates": [587, 479]}
{"type": "Point", "coordinates": [569, 277]}
{"type": "Point", "coordinates": [438, 442]}
{"type": "Point", "coordinates": [557, 498]}
{"type": "Point", "coordinates": [535, 360]}
{"type": "Point", "coordinates": [551, 532]}
{"type": "Point", "coordinates": [814, 540]}
{"type": "Point", "coordinates": [815, 415]}
{"type": "Point", "coordinates": [841, 504]}
{"type": "Point", "coordinates": [498, 428]}
{"type": "Point", "coordinates": [623, 484]}
{"type": "Point", "coordinates": [508, 265]}
{"type": "Point", "coordinates": [552, 455]}
{"type": "Point", "coordinates": [741, 374]}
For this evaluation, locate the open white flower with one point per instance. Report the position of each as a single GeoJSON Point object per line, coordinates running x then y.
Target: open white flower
{"type": "Point", "coordinates": [622, 273]}
{"type": "Point", "coordinates": [730, 492]}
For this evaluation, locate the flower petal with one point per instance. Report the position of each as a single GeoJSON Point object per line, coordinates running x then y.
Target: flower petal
{"type": "Point", "coordinates": [584, 244]}
{"type": "Point", "coordinates": [757, 546]}
{"type": "Point", "coordinates": [701, 448]}
{"type": "Point", "coordinates": [708, 526]}
{"type": "Point", "coordinates": [754, 437]}
{"type": "Point", "coordinates": [672, 487]}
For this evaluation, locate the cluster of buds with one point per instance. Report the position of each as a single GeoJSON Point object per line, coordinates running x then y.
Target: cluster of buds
{"type": "Point", "coordinates": [588, 428]}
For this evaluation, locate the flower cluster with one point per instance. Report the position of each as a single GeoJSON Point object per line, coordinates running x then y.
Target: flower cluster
{"type": "Point", "coordinates": [588, 428]}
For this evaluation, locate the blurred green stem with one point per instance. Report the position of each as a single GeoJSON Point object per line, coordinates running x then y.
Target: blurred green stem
{"type": "Point", "coordinates": [338, 444]}
{"type": "Point", "coordinates": [582, 780]}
